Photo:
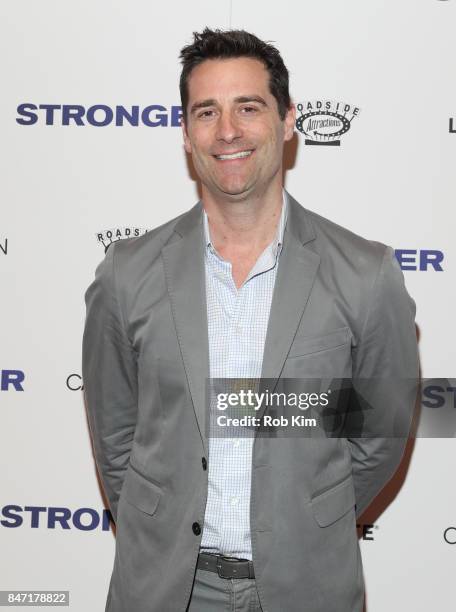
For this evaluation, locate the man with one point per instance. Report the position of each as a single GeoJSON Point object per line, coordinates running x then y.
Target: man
{"type": "Point", "coordinates": [246, 284]}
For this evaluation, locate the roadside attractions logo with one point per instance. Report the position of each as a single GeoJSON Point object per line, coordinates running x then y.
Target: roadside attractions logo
{"type": "Point", "coordinates": [107, 237]}
{"type": "Point", "coordinates": [323, 122]}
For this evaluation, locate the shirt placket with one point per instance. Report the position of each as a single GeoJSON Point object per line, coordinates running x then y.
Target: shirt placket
{"type": "Point", "coordinates": [238, 451]}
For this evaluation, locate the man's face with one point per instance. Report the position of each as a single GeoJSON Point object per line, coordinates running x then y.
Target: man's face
{"type": "Point", "coordinates": [233, 129]}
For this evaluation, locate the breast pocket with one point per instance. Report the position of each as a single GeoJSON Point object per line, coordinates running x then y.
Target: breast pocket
{"type": "Point", "coordinates": [320, 357]}
{"type": "Point", "coordinates": [306, 345]}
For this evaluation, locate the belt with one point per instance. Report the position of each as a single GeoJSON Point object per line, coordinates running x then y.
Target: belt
{"type": "Point", "coordinates": [226, 567]}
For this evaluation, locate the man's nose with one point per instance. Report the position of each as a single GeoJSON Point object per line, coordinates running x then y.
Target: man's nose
{"type": "Point", "coordinates": [228, 128]}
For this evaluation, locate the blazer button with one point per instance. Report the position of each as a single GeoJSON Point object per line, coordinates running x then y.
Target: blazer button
{"type": "Point", "coordinates": [204, 462]}
{"type": "Point", "coordinates": [196, 528]}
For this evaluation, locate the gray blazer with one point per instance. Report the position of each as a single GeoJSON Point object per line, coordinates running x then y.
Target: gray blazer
{"type": "Point", "coordinates": [339, 309]}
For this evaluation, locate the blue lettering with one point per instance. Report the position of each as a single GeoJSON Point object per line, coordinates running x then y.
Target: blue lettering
{"type": "Point", "coordinates": [58, 515]}
{"type": "Point", "coordinates": [407, 259]}
{"type": "Point", "coordinates": [24, 110]}
{"type": "Point", "coordinates": [72, 112]}
{"type": "Point", "coordinates": [9, 513]}
{"type": "Point", "coordinates": [401, 256]}
{"type": "Point", "coordinates": [49, 108]}
{"type": "Point", "coordinates": [100, 115]}
{"type": "Point", "coordinates": [108, 115]}
{"type": "Point", "coordinates": [162, 118]}
{"type": "Point", "coordinates": [35, 510]}
{"type": "Point", "coordinates": [107, 518]}
{"type": "Point", "coordinates": [12, 377]}
{"type": "Point", "coordinates": [176, 116]}
{"type": "Point", "coordinates": [12, 517]}
{"type": "Point", "coordinates": [431, 258]}
{"type": "Point", "coordinates": [132, 117]}
{"type": "Point", "coordinates": [77, 519]}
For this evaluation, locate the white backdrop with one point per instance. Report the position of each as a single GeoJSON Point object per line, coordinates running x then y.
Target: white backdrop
{"type": "Point", "coordinates": [389, 180]}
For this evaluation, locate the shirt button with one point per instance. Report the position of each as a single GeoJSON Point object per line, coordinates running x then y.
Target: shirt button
{"type": "Point", "coordinates": [196, 528]}
{"type": "Point", "coordinates": [204, 462]}
{"type": "Point", "coordinates": [236, 444]}
{"type": "Point", "coordinates": [234, 501]}
{"type": "Point", "coordinates": [238, 329]}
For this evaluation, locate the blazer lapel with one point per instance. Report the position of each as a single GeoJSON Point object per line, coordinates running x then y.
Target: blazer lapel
{"type": "Point", "coordinates": [185, 277]}
{"type": "Point", "coordinates": [296, 273]}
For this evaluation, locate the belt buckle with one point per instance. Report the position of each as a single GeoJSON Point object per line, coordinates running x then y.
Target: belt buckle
{"type": "Point", "coordinates": [219, 566]}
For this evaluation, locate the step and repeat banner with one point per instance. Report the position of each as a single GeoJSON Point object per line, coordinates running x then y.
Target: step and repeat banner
{"type": "Point", "coordinates": [91, 152]}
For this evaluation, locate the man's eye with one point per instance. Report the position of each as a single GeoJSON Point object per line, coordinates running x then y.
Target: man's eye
{"type": "Point", "coordinates": [205, 114]}
{"type": "Point", "coordinates": [248, 109]}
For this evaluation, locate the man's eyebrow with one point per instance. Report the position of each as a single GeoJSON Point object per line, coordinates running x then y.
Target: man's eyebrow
{"type": "Point", "coordinates": [244, 99]}
{"type": "Point", "coordinates": [202, 104]}
{"type": "Point", "coordinates": [239, 100]}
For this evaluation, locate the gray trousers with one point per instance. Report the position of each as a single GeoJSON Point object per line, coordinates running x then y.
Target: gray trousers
{"type": "Point", "coordinates": [214, 594]}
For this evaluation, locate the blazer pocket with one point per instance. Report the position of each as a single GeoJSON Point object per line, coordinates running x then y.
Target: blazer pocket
{"type": "Point", "coordinates": [303, 345]}
{"type": "Point", "coordinates": [333, 504]}
{"type": "Point", "coordinates": [141, 492]}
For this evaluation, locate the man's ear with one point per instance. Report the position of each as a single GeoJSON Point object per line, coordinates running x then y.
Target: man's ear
{"type": "Point", "coordinates": [290, 121]}
{"type": "Point", "coordinates": [187, 143]}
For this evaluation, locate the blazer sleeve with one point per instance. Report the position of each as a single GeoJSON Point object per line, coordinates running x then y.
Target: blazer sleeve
{"type": "Point", "coordinates": [385, 379]}
{"type": "Point", "coordinates": [110, 380]}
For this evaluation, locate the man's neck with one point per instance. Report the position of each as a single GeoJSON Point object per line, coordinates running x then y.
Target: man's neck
{"type": "Point", "coordinates": [244, 227]}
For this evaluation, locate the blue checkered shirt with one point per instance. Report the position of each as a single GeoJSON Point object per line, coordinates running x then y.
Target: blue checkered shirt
{"type": "Point", "coordinates": [237, 325]}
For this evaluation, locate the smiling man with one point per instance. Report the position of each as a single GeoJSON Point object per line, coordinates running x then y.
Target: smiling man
{"type": "Point", "coordinates": [235, 130]}
{"type": "Point", "coordinates": [246, 284]}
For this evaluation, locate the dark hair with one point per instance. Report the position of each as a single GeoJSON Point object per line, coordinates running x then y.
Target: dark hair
{"type": "Point", "coordinates": [218, 44]}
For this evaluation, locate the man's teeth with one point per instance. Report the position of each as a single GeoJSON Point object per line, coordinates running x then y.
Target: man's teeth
{"type": "Point", "coordinates": [235, 155]}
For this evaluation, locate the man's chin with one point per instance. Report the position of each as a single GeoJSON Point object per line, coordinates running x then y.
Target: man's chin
{"type": "Point", "coordinates": [234, 192]}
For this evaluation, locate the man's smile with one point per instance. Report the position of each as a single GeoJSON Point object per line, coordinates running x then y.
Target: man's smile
{"type": "Point", "coordinates": [235, 155]}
